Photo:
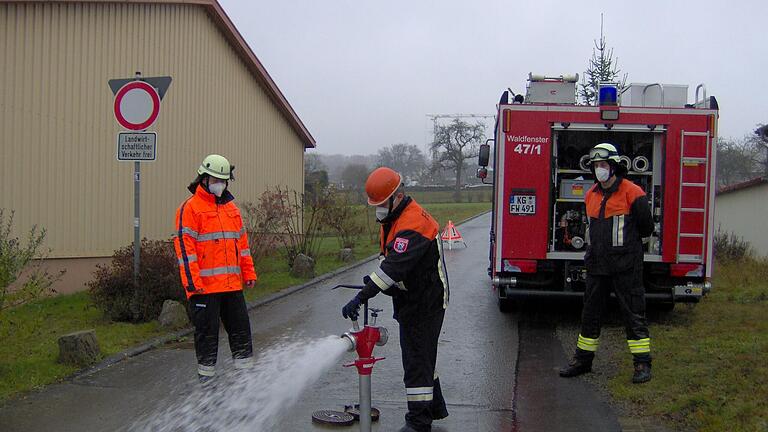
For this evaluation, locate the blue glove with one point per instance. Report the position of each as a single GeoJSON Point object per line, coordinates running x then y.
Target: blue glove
{"type": "Point", "coordinates": [350, 309]}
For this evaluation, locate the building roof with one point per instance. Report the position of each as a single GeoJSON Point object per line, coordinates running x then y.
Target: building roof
{"type": "Point", "coordinates": [234, 37]}
{"type": "Point", "coordinates": [743, 185]}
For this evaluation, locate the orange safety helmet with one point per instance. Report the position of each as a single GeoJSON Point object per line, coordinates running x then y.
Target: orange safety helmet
{"type": "Point", "coordinates": [381, 184]}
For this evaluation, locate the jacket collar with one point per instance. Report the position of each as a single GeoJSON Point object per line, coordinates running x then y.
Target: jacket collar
{"type": "Point", "coordinates": [397, 210]}
{"type": "Point", "coordinates": [208, 197]}
{"type": "Point", "coordinates": [614, 187]}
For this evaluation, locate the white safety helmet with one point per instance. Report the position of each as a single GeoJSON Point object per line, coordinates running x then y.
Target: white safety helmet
{"type": "Point", "coordinates": [216, 166]}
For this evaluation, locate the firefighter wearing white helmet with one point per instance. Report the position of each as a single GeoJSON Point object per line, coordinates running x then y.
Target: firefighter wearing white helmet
{"type": "Point", "coordinates": [619, 217]}
{"type": "Point", "coordinates": [214, 263]}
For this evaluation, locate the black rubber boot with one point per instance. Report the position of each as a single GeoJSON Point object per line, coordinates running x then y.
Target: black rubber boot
{"type": "Point", "coordinates": [439, 414]}
{"type": "Point", "coordinates": [576, 367]}
{"type": "Point", "coordinates": [642, 373]}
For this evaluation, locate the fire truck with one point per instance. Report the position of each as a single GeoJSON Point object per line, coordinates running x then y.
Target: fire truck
{"type": "Point", "coordinates": [540, 176]}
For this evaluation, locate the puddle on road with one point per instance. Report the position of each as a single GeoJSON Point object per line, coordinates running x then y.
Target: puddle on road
{"type": "Point", "coordinates": [249, 400]}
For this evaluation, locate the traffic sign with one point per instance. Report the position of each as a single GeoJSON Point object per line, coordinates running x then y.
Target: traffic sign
{"type": "Point", "coordinates": [136, 146]}
{"type": "Point", "coordinates": [137, 105]}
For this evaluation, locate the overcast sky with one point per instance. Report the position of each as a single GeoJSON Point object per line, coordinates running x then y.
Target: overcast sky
{"type": "Point", "coordinates": [364, 74]}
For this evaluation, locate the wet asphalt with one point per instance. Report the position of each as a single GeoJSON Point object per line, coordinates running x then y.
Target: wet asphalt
{"type": "Point", "coordinates": [498, 371]}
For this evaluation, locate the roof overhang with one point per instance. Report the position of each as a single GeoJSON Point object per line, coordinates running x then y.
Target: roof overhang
{"type": "Point", "coordinates": [743, 185]}
{"type": "Point", "coordinates": [241, 47]}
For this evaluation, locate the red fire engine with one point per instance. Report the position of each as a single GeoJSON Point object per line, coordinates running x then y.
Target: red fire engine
{"type": "Point", "coordinates": [539, 226]}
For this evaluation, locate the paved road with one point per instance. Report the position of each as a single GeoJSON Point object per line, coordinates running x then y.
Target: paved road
{"type": "Point", "coordinates": [480, 352]}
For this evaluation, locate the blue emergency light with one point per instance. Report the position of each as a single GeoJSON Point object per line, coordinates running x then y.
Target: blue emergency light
{"type": "Point", "coordinates": [609, 94]}
{"type": "Point", "coordinates": [608, 100]}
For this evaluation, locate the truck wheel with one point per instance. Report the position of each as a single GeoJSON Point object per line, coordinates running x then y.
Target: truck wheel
{"type": "Point", "coordinates": [506, 305]}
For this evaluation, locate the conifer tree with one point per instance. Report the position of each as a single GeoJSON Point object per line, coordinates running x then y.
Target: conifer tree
{"type": "Point", "coordinates": [603, 67]}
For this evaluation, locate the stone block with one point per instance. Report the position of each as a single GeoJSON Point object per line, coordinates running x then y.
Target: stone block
{"type": "Point", "coordinates": [303, 266]}
{"type": "Point", "coordinates": [346, 255]}
{"type": "Point", "coordinates": [174, 315]}
{"type": "Point", "coordinates": [79, 349]}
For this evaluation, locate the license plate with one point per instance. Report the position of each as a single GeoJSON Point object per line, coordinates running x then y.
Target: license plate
{"type": "Point", "coordinates": [693, 290]}
{"type": "Point", "coordinates": [522, 204]}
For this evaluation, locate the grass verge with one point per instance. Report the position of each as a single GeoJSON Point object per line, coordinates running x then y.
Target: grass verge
{"type": "Point", "coordinates": [709, 369]}
{"type": "Point", "coordinates": [29, 334]}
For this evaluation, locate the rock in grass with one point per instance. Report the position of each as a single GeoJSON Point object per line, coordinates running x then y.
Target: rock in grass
{"type": "Point", "coordinates": [346, 255]}
{"type": "Point", "coordinates": [174, 315]}
{"type": "Point", "coordinates": [79, 348]}
{"type": "Point", "coordinates": [303, 266]}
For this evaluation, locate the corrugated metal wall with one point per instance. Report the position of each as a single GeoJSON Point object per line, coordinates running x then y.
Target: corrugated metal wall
{"type": "Point", "coordinates": [57, 156]}
{"type": "Point", "coordinates": [742, 213]}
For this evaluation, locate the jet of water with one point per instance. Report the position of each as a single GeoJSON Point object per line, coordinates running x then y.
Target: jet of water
{"type": "Point", "coordinates": [251, 399]}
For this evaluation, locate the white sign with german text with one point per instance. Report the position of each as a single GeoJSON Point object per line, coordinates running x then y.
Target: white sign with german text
{"type": "Point", "coordinates": [136, 146]}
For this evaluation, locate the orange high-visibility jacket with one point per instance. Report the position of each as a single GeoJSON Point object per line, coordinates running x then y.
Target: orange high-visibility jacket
{"type": "Point", "coordinates": [212, 245]}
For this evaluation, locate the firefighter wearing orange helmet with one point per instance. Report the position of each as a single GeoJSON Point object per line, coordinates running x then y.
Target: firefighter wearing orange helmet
{"type": "Point", "coordinates": [215, 261]}
{"type": "Point", "coordinates": [411, 270]}
{"type": "Point", "coordinates": [619, 217]}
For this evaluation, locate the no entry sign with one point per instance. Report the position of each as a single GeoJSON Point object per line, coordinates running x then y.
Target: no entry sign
{"type": "Point", "coordinates": [137, 105]}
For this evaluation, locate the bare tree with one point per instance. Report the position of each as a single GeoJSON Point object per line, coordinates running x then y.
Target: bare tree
{"type": "Point", "coordinates": [315, 176]}
{"type": "Point", "coordinates": [742, 159]}
{"type": "Point", "coordinates": [735, 161]}
{"type": "Point", "coordinates": [313, 163]}
{"type": "Point", "coordinates": [406, 159]}
{"type": "Point", "coordinates": [456, 142]}
{"type": "Point", "coordinates": [353, 178]}
{"type": "Point", "coordinates": [603, 67]}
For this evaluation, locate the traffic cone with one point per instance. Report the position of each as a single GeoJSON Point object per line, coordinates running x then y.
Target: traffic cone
{"type": "Point", "coordinates": [452, 235]}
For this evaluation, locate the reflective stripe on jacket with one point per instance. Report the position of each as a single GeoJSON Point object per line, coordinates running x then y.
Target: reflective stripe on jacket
{"type": "Point", "coordinates": [212, 245]}
{"type": "Point", "coordinates": [619, 217]}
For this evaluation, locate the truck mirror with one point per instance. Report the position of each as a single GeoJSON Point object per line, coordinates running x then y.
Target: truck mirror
{"type": "Point", "coordinates": [482, 173]}
{"type": "Point", "coordinates": [484, 155]}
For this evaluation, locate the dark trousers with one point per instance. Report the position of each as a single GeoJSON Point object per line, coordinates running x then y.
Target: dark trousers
{"type": "Point", "coordinates": [630, 294]}
{"type": "Point", "coordinates": [206, 310]}
{"type": "Point", "coordinates": [418, 342]}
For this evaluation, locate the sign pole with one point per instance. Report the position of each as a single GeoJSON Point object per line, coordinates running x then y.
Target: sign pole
{"type": "Point", "coordinates": [136, 215]}
{"type": "Point", "coordinates": [136, 220]}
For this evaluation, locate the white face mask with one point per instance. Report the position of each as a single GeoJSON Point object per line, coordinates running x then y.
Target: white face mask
{"type": "Point", "coordinates": [381, 213]}
{"type": "Point", "coordinates": [602, 174]}
{"type": "Point", "coordinates": [217, 188]}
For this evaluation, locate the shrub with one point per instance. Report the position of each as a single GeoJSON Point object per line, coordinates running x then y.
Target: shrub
{"type": "Point", "coordinates": [264, 221]}
{"type": "Point", "coordinates": [113, 290]}
{"type": "Point", "coordinates": [22, 261]}
{"type": "Point", "coordinates": [730, 247]}
{"type": "Point", "coordinates": [339, 217]}
{"type": "Point", "coordinates": [299, 221]}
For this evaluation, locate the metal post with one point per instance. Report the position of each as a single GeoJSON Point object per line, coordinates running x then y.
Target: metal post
{"type": "Point", "coordinates": [365, 403]}
{"type": "Point", "coordinates": [136, 214]}
{"type": "Point", "coordinates": [136, 220]}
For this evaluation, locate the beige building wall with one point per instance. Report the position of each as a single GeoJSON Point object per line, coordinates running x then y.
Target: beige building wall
{"type": "Point", "coordinates": [743, 212]}
{"type": "Point", "coordinates": [57, 159]}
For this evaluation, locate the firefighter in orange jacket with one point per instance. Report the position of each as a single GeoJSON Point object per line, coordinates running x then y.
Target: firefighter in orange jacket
{"type": "Point", "coordinates": [215, 262]}
{"type": "Point", "coordinates": [411, 270]}
{"type": "Point", "coordinates": [619, 217]}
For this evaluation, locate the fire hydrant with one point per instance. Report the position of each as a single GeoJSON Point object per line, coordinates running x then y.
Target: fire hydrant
{"type": "Point", "coordinates": [363, 341]}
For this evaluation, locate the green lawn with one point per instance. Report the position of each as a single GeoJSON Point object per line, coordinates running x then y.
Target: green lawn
{"type": "Point", "coordinates": [711, 361]}
{"type": "Point", "coordinates": [29, 333]}
{"type": "Point", "coordinates": [29, 339]}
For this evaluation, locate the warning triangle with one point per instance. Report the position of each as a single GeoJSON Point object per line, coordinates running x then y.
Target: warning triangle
{"type": "Point", "coordinates": [452, 235]}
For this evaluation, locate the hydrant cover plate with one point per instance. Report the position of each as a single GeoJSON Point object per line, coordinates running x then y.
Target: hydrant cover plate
{"type": "Point", "coordinates": [355, 411]}
{"type": "Point", "coordinates": [334, 418]}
